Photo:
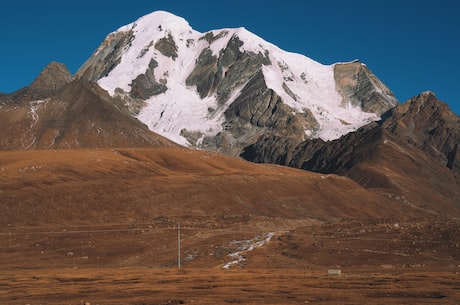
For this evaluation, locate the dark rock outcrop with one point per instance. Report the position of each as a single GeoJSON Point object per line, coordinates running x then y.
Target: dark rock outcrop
{"type": "Point", "coordinates": [261, 111]}
{"type": "Point", "coordinates": [167, 46]}
{"type": "Point", "coordinates": [209, 77]}
{"type": "Point", "coordinates": [256, 110]}
{"type": "Point", "coordinates": [145, 85]}
{"type": "Point", "coordinates": [423, 122]}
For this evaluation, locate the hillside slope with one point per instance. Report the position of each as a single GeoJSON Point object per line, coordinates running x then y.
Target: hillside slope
{"type": "Point", "coordinates": [76, 115]}
{"type": "Point", "coordinates": [43, 187]}
{"type": "Point", "coordinates": [412, 154]}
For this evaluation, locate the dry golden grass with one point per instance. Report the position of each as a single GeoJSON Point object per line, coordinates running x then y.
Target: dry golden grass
{"type": "Point", "coordinates": [100, 226]}
{"type": "Point", "coordinates": [211, 286]}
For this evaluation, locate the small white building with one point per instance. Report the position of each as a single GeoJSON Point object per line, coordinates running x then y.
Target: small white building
{"type": "Point", "coordinates": [335, 272]}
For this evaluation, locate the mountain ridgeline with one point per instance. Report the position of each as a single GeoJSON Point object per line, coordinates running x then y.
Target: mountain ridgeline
{"type": "Point", "coordinates": [157, 82]}
{"type": "Point", "coordinates": [223, 89]}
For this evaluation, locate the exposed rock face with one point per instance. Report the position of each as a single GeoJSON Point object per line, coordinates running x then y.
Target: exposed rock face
{"type": "Point", "coordinates": [145, 85]}
{"type": "Point", "coordinates": [205, 75]}
{"type": "Point", "coordinates": [259, 110]}
{"type": "Point", "coordinates": [271, 149]}
{"type": "Point", "coordinates": [412, 155]}
{"type": "Point", "coordinates": [428, 124]}
{"type": "Point", "coordinates": [52, 78]}
{"type": "Point", "coordinates": [423, 122]}
{"type": "Point", "coordinates": [105, 58]}
{"type": "Point", "coordinates": [167, 46]}
{"type": "Point", "coordinates": [337, 156]}
{"type": "Point", "coordinates": [312, 154]}
{"type": "Point", "coordinates": [208, 75]}
{"type": "Point", "coordinates": [360, 87]}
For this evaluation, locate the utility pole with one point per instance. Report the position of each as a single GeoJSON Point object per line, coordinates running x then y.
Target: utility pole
{"type": "Point", "coordinates": [178, 245]}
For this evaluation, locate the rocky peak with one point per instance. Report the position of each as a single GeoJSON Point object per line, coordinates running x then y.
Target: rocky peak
{"type": "Point", "coordinates": [425, 102]}
{"type": "Point", "coordinates": [53, 77]}
{"type": "Point", "coordinates": [360, 87]}
{"type": "Point", "coordinates": [421, 114]}
{"type": "Point", "coordinates": [427, 123]}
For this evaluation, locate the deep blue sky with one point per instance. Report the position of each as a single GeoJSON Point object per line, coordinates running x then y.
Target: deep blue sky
{"type": "Point", "coordinates": [412, 46]}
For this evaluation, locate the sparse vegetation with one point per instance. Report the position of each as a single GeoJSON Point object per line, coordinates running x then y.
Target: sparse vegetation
{"type": "Point", "coordinates": [100, 226]}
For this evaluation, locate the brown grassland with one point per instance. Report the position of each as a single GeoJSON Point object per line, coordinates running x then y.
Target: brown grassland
{"type": "Point", "coordinates": [100, 226]}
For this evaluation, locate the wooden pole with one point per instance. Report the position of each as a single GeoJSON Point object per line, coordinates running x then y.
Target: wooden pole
{"type": "Point", "coordinates": [178, 245]}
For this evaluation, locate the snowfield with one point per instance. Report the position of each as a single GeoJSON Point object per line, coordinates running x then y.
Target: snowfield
{"type": "Point", "coordinates": [311, 85]}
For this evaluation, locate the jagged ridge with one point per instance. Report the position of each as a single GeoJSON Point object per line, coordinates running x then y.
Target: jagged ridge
{"type": "Point", "coordinates": [411, 155]}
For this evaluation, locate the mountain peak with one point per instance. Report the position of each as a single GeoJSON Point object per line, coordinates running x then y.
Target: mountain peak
{"type": "Point", "coordinates": [425, 102]}
{"type": "Point", "coordinates": [158, 20]}
{"type": "Point", "coordinates": [222, 89]}
{"type": "Point", "coordinates": [426, 122]}
{"type": "Point", "coordinates": [53, 77]}
{"type": "Point", "coordinates": [428, 93]}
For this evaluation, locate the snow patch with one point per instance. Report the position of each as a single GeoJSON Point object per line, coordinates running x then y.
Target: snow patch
{"type": "Point", "coordinates": [33, 110]}
{"type": "Point", "coordinates": [176, 110]}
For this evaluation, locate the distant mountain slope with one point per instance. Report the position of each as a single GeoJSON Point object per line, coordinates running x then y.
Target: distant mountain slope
{"type": "Point", "coordinates": [411, 155]}
{"type": "Point", "coordinates": [222, 89]}
{"type": "Point", "coordinates": [232, 92]}
{"type": "Point", "coordinates": [427, 123]}
{"type": "Point", "coordinates": [73, 114]}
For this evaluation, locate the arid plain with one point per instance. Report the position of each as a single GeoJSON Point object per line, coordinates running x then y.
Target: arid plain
{"type": "Point", "coordinates": [100, 226]}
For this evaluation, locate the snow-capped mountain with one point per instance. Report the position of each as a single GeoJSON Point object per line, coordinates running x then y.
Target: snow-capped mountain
{"type": "Point", "coordinates": [230, 91]}
{"type": "Point", "coordinates": [223, 89]}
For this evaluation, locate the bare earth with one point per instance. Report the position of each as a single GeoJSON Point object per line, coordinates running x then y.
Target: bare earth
{"type": "Point", "coordinates": [101, 227]}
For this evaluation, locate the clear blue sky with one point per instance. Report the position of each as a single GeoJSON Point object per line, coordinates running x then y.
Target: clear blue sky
{"type": "Point", "coordinates": [411, 45]}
